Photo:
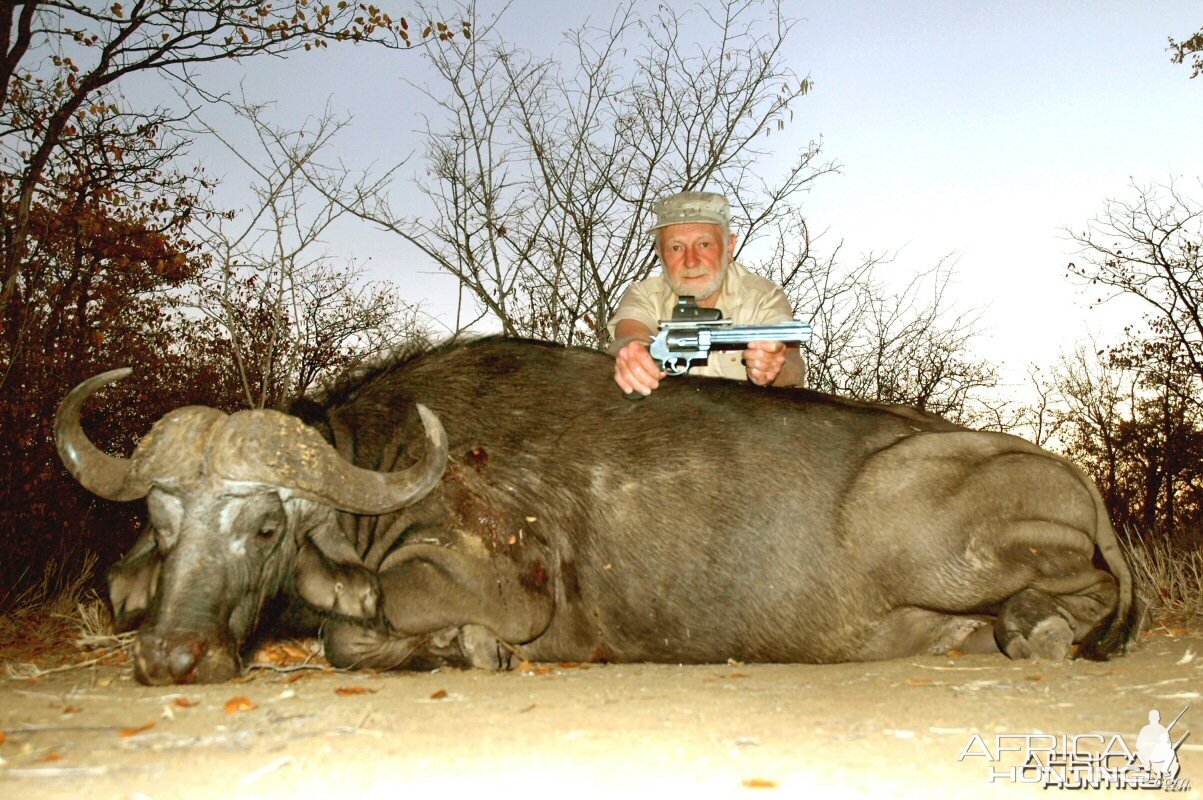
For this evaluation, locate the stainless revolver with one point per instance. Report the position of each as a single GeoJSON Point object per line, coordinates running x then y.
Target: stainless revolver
{"type": "Point", "coordinates": [693, 332]}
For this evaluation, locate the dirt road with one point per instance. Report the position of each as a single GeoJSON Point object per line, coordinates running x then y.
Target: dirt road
{"type": "Point", "coordinates": [901, 728]}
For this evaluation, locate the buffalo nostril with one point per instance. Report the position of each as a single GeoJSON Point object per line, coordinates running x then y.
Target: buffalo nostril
{"type": "Point", "coordinates": [184, 653]}
{"type": "Point", "coordinates": [206, 656]}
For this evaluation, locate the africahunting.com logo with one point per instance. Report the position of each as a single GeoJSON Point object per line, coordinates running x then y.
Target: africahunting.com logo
{"type": "Point", "coordinates": [1086, 760]}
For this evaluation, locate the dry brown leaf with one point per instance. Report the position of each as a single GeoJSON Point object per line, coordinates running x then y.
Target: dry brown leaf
{"type": "Point", "coordinates": [568, 665]}
{"type": "Point", "coordinates": [736, 676]}
{"type": "Point", "coordinates": [184, 702]}
{"type": "Point", "coordinates": [528, 668]}
{"type": "Point", "coordinates": [348, 691]}
{"type": "Point", "coordinates": [919, 681]}
{"type": "Point", "coordinates": [128, 732]}
{"type": "Point", "coordinates": [236, 704]}
{"type": "Point", "coordinates": [954, 654]}
{"type": "Point", "coordinates": [72, 709]}
{"type": "Point", "coordinates": [2, 737]}
{"type": "Point", "coordinates": [439, 695]}
{"type": "Point", "coordinates": [53, 755]}
{"type": "Point", "coordinates": [759, 783]}
{"type": "Point", "coordinates": [283, 654]}
{"type": "Point", "coordinates": [1037, 678]}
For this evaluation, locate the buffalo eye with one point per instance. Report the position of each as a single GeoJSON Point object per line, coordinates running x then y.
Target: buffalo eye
{"type": "Point", "coordinates": [268, 530]}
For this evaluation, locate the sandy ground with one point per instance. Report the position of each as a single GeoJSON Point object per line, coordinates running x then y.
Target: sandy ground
{"type": "Point", "coordinates": [891, 729]}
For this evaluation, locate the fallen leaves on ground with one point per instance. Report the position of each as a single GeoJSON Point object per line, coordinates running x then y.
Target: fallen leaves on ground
{"type": "Point", "coordinates": [2, 737]}
{"type": "Point", "coordinates": [527, 668]}
{"type": "Point", "coordinates": [128, 732]}
{"type": "Point", "coordinates": [184, 702]}
{"type": "Point", "coordinates": [731, 676]}
{"type": "Point", "coordinates": [759, 783]}
{"type": "Point", "coordinates": [236, 704]}
{"type": "Point", "coordinates": [286, 653]}
{"type": "Point", "coordinates": [350, 691]}
{"type": "Point", "coordinates": [439, 695]}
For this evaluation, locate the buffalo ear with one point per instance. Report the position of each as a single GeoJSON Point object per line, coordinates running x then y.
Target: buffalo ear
{"type": "Point", "coordinates": [133, 581]}
{"type": "Point", "coordinates": [330, 576]}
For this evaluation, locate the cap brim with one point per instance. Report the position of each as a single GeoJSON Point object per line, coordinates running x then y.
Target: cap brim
{"type": "Point", "coordinates": [722, 223]}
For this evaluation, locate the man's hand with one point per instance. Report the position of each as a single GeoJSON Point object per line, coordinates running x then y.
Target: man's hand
{"type": "Point", "coordinates": [635, 370]}
{"type": "Point", "coordinates": [764, 361]}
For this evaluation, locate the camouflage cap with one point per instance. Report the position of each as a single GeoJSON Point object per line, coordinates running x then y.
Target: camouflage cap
{"type": "Point", "coordinates": [685, 207]}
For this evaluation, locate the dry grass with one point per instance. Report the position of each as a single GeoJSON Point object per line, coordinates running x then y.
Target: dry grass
{"type": "Point", "coordinates": [1169, 579]}
{"type": "Point", "coordinates": [61, 621]}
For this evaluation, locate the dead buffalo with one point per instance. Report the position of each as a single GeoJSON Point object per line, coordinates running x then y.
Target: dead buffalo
{"type": "Point", "coordinates": [712, 520]}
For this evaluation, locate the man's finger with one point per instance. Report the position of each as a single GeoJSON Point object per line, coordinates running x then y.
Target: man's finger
{"type": "Point", "coordinates": [766, 346]}
{"type": "Point", "coordinates": [638, 379]}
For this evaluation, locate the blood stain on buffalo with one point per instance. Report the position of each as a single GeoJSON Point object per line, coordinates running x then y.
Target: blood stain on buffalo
{"type": "Point", "coordinates": [477, 458]}
{"type": "Point", "coordinates": [535, 578]}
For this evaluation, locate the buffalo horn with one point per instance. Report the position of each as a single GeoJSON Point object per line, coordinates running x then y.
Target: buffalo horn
{"type": "Point", "coordinates": [269, 447]}
{"type": "Point", "coordinates": [100, 473]}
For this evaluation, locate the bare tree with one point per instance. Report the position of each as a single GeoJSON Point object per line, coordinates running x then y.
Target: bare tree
{"type": "Point", "coordinates": [876, 341]}
{"type": "Point", "coordinates": [1039, 421]}
{"type": "Point", "coordinates": [541, 173]}
{"type": "Point", "coordinates": [1136, 435]}
{"type": "Point", "coordinates": [1094, 394]}
{"type": "Point", "coordinates": [1149, 247]}
{"type": "Point", "coordinates": [290, 315]}
{"type": "Point", "coordinates": [62, 59]}
{"type": "Point", "coordinates": [1192, 47]}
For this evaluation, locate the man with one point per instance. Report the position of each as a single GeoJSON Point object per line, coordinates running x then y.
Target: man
{"type": "Point", "coordinates": [694, 243]}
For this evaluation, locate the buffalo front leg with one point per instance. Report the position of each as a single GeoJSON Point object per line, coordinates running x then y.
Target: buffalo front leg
{"type": "Point", "coordinates": [441, 606]}
{"type": "Point", "coordinates": [1037, 623]}
{"type": "Point", "coordinates": [355, 645]}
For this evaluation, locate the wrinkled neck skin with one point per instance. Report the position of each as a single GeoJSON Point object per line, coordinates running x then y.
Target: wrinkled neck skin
{"type": "Point", "coordinates": [224, 550]}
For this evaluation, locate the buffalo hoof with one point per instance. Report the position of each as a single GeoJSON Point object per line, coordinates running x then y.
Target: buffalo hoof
{"type": "Point", "coordinates": [162, 659]}
{"type": "Point", "coordinates": [1050, 639]}
{"type": "Point", "coordinates": [482, 649]}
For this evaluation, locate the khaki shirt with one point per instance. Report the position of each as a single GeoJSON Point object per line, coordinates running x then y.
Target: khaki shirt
{"type": "Point", "coordinates": [744, 298]}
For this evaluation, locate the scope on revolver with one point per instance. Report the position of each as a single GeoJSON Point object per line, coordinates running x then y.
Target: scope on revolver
{"type": "Point", "coordinates": [687, 310]}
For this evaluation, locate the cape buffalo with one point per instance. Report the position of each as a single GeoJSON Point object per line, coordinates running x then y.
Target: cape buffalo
{"type": "Point", "coordinates": [712, 520]}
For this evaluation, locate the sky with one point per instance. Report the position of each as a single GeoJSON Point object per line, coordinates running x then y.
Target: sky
{"type": "Point", "coordinates": [985, 129]}
{"type": "Point", "coordinates": [976, 130]}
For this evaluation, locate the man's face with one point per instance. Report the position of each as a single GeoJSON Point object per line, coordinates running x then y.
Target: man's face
{"type": "Point", "coordinates": [695, 258]}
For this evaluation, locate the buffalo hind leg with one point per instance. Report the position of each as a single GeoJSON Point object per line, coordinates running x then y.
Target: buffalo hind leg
{"type": "Point", "coordinates": [1035, 623]}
